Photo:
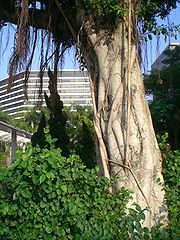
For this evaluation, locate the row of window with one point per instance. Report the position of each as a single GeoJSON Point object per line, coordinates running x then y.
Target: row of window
{"type": "Point", "coordinates": [4, 87]}
{"type": "Point", "coordinates": [63, 73]}
{"type": "Point", "coordinates": [10, 103]}
{"type": "Point", "coordinates": [73, 87]}
{"type": "Point", "coordinates": [74, 91]}
{"type": "Point", "coordinates": [11, 96]}
{"type": "Point", "coordinates": [10, 109]}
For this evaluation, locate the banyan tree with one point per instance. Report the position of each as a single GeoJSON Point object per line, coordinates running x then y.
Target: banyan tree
{"type": "Point", "coordinates": [106, 35]}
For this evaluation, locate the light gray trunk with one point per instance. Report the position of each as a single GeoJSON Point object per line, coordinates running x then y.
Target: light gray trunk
{"type": "Point", "coordinates": [127, 142]}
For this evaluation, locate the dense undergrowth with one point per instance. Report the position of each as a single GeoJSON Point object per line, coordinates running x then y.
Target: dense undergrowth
{"type": "Point", "coordinates": [47, 196]}
{"type": "Point", "coordinates": [171, 173]}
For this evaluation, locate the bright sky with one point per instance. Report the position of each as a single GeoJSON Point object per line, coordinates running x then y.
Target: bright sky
{"type": "Point", "coordinates": [152, 52]}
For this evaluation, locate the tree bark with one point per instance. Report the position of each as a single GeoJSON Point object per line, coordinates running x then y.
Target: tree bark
{"type": "Point", "coordinates": [128, 146]}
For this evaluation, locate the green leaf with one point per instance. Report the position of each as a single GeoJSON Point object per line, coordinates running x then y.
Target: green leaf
{"type": "Point", "coordinates": [63, 188]}
{"type": "Point", "coordinates": [132, 212]}
{"type": "Point", "coordinates": [131, 228]}
{"type": "Point", "coordinates": [5, 209]}
{"type": "Point", "coordinates": [141, 216]}
{"type": "Point", "coordinates": [146, 230]}
{"type": "Point", "coordinates": [96, 169]}
{"type": "Point", "coordinates": [30, 168]}
{"type": "Point", "coordinates": [61, 232]}
{"type": "Point", "coordinates": [48, 229]}
{"type": "Point", "coordinates": [24, 163]}
{"type": "Point", "coordinates": [138, 208]}
{"type": "Point", "coordinates": [138, 227]}
{"type": "Point", "coordinates": [71, 189]}
{"type": "Point", "coordinates": [25, 193]}
{"type": "Point", "coordinates": [42, 178]}
{"type": "Point", "coordinates": [45, 166]}
{"type": "Point", "coordinates": [146, 237]}
{"type": "Point", "coordinates": [74, 210]}
{"type": "Point", "coordinates": [80, 204]}
{"type": "Point", "coordinates": [14, 207]}
{"type": "Point", "coordinates": [50, 175]}
{"type": "Point", "coordinates": [52, 162]}
{"type": "Point", "coordinates": [38, 226]}
{"type": "Point", "coordinates": [58, 192]}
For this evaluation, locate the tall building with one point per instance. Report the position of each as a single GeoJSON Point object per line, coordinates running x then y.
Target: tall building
{"type": "Point", "coordinates": [158, 63]}
{"type": "Point", "coordinates": [73, 88]}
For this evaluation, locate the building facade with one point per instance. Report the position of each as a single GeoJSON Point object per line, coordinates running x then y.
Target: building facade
{"type": "Point", "coordinates": [73, 87]}
{"type": "Point", "coordinates": [159, 62]}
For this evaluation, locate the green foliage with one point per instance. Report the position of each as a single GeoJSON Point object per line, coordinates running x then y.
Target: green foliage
{"type": "Point", "coordinates": [171, 172]}
{"type": "Point", "coordinates": [4, 117]}
{"type": "Point", "coordinates": [152, 28]}
{"type": "Point", "coordinates": [147, 12]}
{"type": "Point", "coordinates": [28, 121]}
{"type": "Point", "coordinates": [165, 108]}
{"type": "Point", "coordinates": [32, 118]}
{"type": "Point", "coordinates": [81, 133]}
{"type": "Point", "coordinates": [85, 147]}
{"type": "Point", "coordinates": [38, 138]}
{"type": "Point", "coordinates": [109, 9]}
{"type": "Point", "coordinates": [151, 10]}
{"type": "Point", "coordinates": [3, 157]}
{"type": "Point", "coordinates": [47, 196]}
{"type": "Point", "coordinates": [162, 111]}
{"type": "Point", "coordinates": [25, 121]}
{"type": "Point", "coordinates": [165, 86]}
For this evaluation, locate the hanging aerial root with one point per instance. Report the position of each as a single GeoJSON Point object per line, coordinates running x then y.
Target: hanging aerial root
{"type": "Point", "coordinates": [127, 147]}
{"type": "Point", "coordinates": [21, 42]}
{"type": "Point", "coordinates": [103, 151]}
{"type": "Point", "coordinates": [29, 65]}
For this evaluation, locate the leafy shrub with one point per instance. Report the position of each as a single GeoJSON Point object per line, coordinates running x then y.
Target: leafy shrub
{"type": "Point", "coordinates": [172, 186]}
{"type": "Point", "coordinates": [47, 196]}
{"type": "Point", "coordinates": [3, 158]}
{"type": "Point", "coordinates": [171, 173]}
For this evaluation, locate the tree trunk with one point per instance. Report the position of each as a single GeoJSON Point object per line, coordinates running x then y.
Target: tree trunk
{"type": "Point", "coordinates": [128, 146]}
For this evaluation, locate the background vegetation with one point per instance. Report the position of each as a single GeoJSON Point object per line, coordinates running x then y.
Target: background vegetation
{"type": "Point", "coordinates": [164, 85]}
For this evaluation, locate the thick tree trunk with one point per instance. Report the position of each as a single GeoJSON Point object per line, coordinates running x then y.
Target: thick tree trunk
{"type": "Point", "coordinates": [127, 142]}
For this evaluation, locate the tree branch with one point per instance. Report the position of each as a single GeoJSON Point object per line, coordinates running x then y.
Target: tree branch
{"type": "Point", "coordinates": [50, 19]}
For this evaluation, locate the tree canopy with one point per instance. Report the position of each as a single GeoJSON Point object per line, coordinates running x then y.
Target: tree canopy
{"type": "Point", "coordinates": [59, 20]}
